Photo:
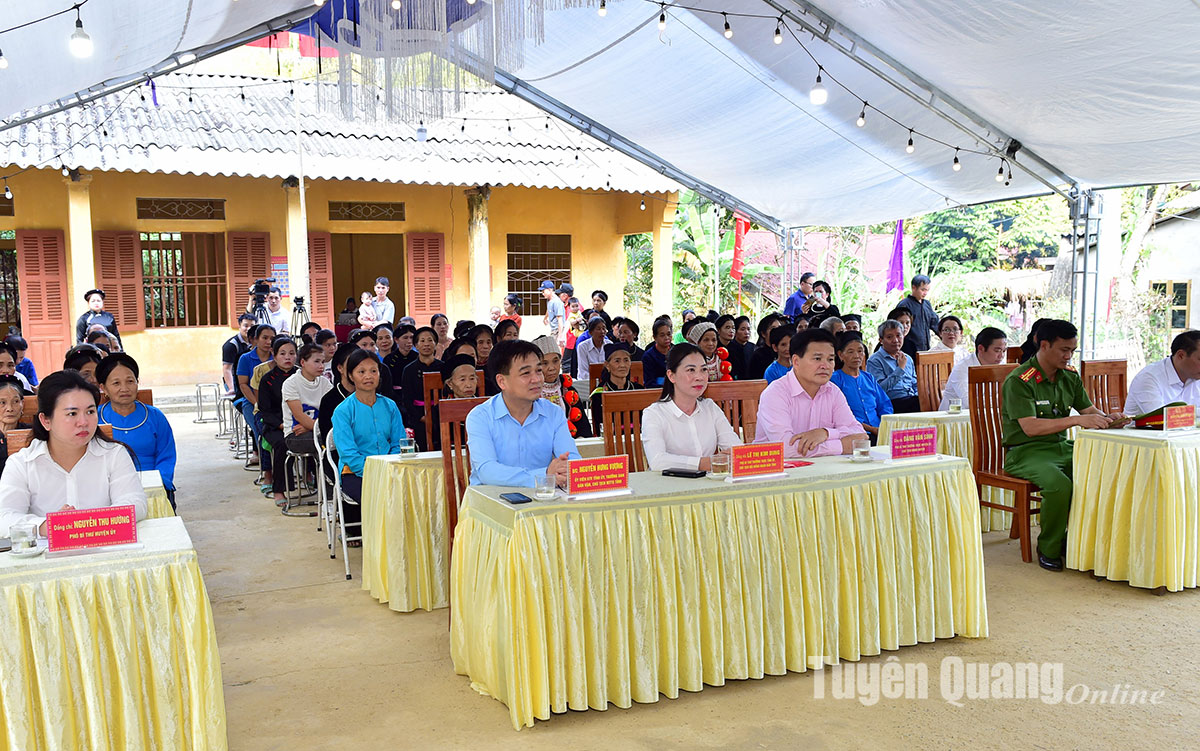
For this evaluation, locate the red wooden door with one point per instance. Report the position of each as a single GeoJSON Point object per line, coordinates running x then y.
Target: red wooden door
{"type": "Point", "coordinates": [426, 284]}
{"type": "Point", "coordinates": [320, 278]}
{"type": "Point", "coordinates": [249, 259]}
{"type": "Point", "coordinates": [119, 274]}
{"type": "Point", "coordinates": [42, 284]}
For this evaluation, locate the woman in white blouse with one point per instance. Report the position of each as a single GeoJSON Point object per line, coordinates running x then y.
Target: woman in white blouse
{"type": "Point", "coordinates": [683, 429]}
{"type": "Point", "coordinates": [69, 465]}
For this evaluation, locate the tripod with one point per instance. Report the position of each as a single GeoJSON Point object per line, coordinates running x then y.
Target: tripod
{"type": "Point", "coordinates": [260, 310]}
{"type": "Point", "coordinates": [299, 314]}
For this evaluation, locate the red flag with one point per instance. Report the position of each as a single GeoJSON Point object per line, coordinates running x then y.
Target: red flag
{"type": "Point", "coordinates": [740, 225]}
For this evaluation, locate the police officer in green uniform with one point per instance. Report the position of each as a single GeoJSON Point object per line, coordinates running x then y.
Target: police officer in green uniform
{"type": "Point", "coordinates": [1037, 400]}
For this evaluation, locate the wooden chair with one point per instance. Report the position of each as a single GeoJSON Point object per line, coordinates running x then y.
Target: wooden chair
{"type": "Point", "coordinates": [29, 410]}
{"type": "Point", "coordinates": [18, 439]}
{"type": "Point", "coordinates": [739, 402]}
{"type": "Point", "coordinates": [456, 458]}
{"type": "Point", "coordinates": [985, 383]}
{"type": "Point", "coordinates": [432, 386]}
{"type": "Point", "coordinates": [933, 370]}
{"type": "Point", "coordinates": [1104, 381]}
{"type": "Point", "coordinates": [635, 371]}
{"type": "Point", "coordinates": [1014, 355]}
{"type": "Point", "coordinates": [623, 424]}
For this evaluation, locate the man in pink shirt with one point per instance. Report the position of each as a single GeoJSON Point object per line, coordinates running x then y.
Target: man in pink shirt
{"type": "Point", "coordinates": [803, 409]}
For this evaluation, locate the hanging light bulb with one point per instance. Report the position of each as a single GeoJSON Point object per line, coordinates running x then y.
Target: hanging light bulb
{"type": "Point", "coordinates": [818, 94]}
{"type": "Point", "coordinates": [3, 60]}
{"type": "Point", "coordinates": [862, 115]}
{"type": "Point", "coordinates": [7, 192]}
{"type": "Point", "coordinates": [189, 96]}
{"type": "Point", "coordinates": [957, 164]}
{"type": "Point", "coordinates": [911, 147]}
{"type": "Point", "coordinates": [643, 204]}
{"type": "Point", "coordinates": [779, 31]}
{"type": "Point", "coordinates": [662, 18]}
{"type": "Point", "coordinates": [509, 124]}
{"type": "Point", "coordinates": [80, 43]}
{"type": "Point", "coordinates": [422, 134]}
{"type": "Point", "coordinates": [602, 11]}
{"type": "Point", "coordinates": [470, 2]}
{"type": "Point", "coordinates": [395, 4]}
{"type": "Point", "coordinates": [463, 127]}
{"type": "Point", "coordinates": [728, 28]}
{"type": "Point", "coordinates": [66, 171]}
{"type": "Point", "coordinates": [318, 3]}
{"type": "Point", "coordinates": [1000, 172]}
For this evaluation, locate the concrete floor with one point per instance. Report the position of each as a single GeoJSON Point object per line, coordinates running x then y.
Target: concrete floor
{"type": "Point", "coordinates": [311, 661]}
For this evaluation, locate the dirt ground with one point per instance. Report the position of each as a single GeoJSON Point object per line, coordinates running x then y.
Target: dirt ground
{"type": "Point", "coordinates": [311, 661]}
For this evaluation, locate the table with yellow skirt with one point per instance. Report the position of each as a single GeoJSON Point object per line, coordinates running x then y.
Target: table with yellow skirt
{"type": "Point", "coordinates": [110, 650]}
{"type": "Point", "coordinates": [405, 540]}
{"type": "Point", "coordinates": [954, 438]}
{"type": "Point", "coordinates": [157, 504]}
{"type": "Point", "coordinates": [1135, 510]}
{"type": "Point", "coordinates": [563, 605]}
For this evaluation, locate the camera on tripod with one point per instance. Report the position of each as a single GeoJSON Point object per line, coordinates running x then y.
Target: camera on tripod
{"type": "Point", "coordinates": [260, 289]}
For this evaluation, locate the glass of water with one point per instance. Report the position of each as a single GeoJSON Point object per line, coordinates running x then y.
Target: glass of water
{"type": "Point", "coordinates": [23, 536]}
{"type": "Point", "coordinates": [955, 406]}
{"type": "Point", "coordinates": [720, 466]}
{"type": "Point", "coordinates": [545, 487]}
{"type": "Point", "coordinates": [408, 447]}
{"type": "Point", "coordinates": [862, 450]}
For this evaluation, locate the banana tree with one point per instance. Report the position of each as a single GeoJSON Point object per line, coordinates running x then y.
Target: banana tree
{"type": "Point", "coordinates": [701, 226]}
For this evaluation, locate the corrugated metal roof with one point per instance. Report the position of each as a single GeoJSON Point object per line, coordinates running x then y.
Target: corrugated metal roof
{"type": "Point", "coordinates": [241, 126]}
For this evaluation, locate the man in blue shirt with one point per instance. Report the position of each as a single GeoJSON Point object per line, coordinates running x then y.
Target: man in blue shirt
{"type": "Point", "coordinates": [795, 304]}
{"type": "Point", "coordinates": [516, 436]}
{"type": "Point", "coordinates": [556, 314]}
{"type": "Point", "coordinates": [894, 370]}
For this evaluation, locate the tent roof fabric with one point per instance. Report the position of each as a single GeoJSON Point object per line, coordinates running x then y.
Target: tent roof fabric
{"type": "Point", "coordinates": [215, 132]}
{"type": "Point", "coordinates": [1103, 101]}
{"type": "Point", "coordinates": [131, 38]}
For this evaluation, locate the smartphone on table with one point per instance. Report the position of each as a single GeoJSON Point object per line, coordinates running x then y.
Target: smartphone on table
{"type": "Point", "coordinates": [515, 498]}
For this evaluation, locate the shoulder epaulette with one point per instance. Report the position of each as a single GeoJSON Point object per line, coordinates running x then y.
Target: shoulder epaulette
{"type": "Point", "coordinates": [1033, 373]}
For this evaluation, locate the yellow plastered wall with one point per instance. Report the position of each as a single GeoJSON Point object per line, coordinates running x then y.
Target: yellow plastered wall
{"type": "Point", "coordinates": [596, 223]}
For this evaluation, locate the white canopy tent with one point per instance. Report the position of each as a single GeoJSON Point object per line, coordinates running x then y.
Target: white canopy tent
{"type": "Point", "coordinates": [132, 39]}
{"type": "Point", "coordinates": [1100, 93]}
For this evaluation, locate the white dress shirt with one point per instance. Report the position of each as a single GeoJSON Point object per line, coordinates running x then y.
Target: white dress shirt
{"type": "Point", "coordinates": [34, 484]}
{"type": "Point", "coordinates": [961, 352]}
{"type": "Point", "coordinates": [1159, 384]}
{"type": "Point", "coordinates": [672, 439]}
{"type": "Point", "coordinates": [957, 386]}
{"type": "Point", "coordinates": [586, 353]}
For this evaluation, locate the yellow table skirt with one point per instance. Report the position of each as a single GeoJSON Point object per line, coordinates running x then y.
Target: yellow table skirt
{"type": "Point", "coordinates": [110, 650]}
{"type": "Point", "coordinates": [954, 438]}
{"type": "Point", "coordinates": [1135, 511]}
{"type": "Point", "coordinates": [690, 583]}
{"type": "Point", "coordinates": [158, 505]}
{"type": "Point", "coordinates": [405, 540]}
{"type": "Point", "coordinates": [405, 537]}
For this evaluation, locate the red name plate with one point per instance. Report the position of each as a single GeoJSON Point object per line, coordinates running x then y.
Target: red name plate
{"type": "Point", "coordinates": [914, 442]}
{"type": "Point", "coordinates": [604, 473]}
{"type": "Point", "coordinates": [756, 459]}
{"type": "Point", "coordinates": [1180, 417]}
{"type": "Point", "coordinates": [91, 527]}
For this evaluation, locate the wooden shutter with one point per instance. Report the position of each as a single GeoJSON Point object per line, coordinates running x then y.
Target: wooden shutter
{"type": "Point", "coordinates": [42, 281]}
{"type": "Point", "coordinates": [119, 274]}
{"type": "Point", "coordinates": [249, 259]}
{"type": "Point", "coordinates": [426, 286]}
{"type": "Point", "coordinates": [320, 278]}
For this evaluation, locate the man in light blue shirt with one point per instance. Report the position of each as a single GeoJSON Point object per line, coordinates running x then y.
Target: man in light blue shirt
{"type": "Point", "coordinates": [556, 314]}
{"type": "Point", "coordinates": [894, 370]}
{"type": "Point", "coordinates": [516, 436]}
{"type": "Point", "coordinates": [385, 309]}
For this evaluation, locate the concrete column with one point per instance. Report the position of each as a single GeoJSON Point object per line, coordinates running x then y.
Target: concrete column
{"type": "Point", "coordinates": [81, 262]}
{"type": "Point", "coordinates": [479, 272]}
{"type": "Point", "coordinates": [662, 294]}
{"type": "Point", "coordinates": [296, 229]}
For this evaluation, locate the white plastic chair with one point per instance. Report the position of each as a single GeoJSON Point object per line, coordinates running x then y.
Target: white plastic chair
{"type": "Point", "coordinates": [341, 501]}
{"type": "Point", "coordinates": [325, 509]}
